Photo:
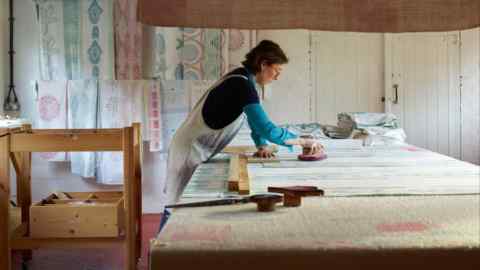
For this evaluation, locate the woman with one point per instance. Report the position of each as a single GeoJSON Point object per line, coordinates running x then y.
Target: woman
{"type": "Point", "coordinates": [220, 113]}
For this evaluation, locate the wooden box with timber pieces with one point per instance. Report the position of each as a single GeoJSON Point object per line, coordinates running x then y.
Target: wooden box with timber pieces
{"type": "Point", "coordinates": [78, 215]}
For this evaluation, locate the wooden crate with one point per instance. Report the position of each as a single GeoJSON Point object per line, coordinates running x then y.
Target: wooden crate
{"type": "Point", "coordinates": [78, 215]}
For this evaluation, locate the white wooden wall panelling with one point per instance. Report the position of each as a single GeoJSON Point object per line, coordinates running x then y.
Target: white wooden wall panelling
{"type": "Point", "coordinates": [347, 74]}
{"type": "Point", "coordinates": [288, 99]}
{"type": "Point", "coordinates": [470, 99]}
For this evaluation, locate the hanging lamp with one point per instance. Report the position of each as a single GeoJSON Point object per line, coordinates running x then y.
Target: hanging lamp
{"type": "Point", "coordinates": [11, 105]}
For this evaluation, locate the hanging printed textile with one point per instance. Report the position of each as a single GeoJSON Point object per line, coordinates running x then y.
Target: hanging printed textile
{"type": "Point", "coordinates": [174, 98]}
{"type": "Point", "coordinates": [128, 41]}
{"type": "Point", "coordinates": [82, 113]}
{"type": "Point", "coordinates": [120, 104]}
{"type": "Point", "coordinates": [195, 54]}
{"type": "Point", "coordinates": [52, 111]}
{"type": "Point", "coordinates": [163, 58]}
{"type": "Point", "coordinates": [204, 54]}
{"type": "Point", "coordinates": [153, 113]}
{"type": "Point", "coordinates": [76, 39]}
{"type": "Point", "coordinates": [240, 42]}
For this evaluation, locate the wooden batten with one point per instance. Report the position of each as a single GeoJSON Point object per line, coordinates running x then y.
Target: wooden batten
{"type": "Point", "coordinates": [76, 219]}
{"type": "Point", "coordinates": [21, 242]}
{"type": "Point", "coordinates": [24, 142]}
{"type": "Point", "coordinates": [77, 131]}
{"type": "Point", "coordinates": [5, 262]}
{"type": "Point", "coordinates": [244, 179]}
{"type": "Point", "coordinates": [86, 195]}
{"type": "Point", "coordinates": [234, 172]}
{"type": "Point", "coordinates": [137, 159]}
{"type": "Point", "coordinates": [130, 201]}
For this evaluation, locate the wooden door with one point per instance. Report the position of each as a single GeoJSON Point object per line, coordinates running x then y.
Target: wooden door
{"type": "Point", "coordinates": [422, 84]}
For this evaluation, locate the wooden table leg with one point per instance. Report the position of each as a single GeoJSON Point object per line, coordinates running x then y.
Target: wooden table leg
{"type": "Point", "coordinates": [5, 261]}
{"type": "Point", "coordinates": [129, 182]}
{"type": "Point", "coordinates": [137, 186]}
{"type": "Point", "coordinates": [24, 194]}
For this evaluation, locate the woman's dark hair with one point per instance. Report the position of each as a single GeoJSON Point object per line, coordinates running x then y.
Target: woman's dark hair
{"type": "Point", "coordinates": [267, 52]}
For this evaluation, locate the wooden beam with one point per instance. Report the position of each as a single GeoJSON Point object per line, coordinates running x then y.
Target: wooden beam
{"type": "Point", "coordinates": [128, 185]}
{"type": "Point", "coordinates": [234, 172]}
{"type": "Point", "coordinates": [77, 131]}
{"type": "Point", "coordinates": [65, 142]}
{"type": "Point", "coordinates": [244, 179]}
{"type": "Point", "coordinates": [5, 262]}
{"type": "Point", "coordinates": [263, 160]}
{"type": "Point", "coordinates": [24, 192]}
{"type": "Point", "coordinates": [15, 158]}
{"type": "Point", "coordinates": [20, 242]}
{"type": "Point", "coordinates": [137, 192]}
{"type": "Point", "coordinates": [24, 175]}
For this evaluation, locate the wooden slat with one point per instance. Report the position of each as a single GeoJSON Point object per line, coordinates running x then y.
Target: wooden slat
{"type": "Point", "coordinates": [263, 160]}
{"type": "Point", "coordinates": [15, 158]}
{"type": "Point", "coordinates": [98, 194]}
{"type": "Point", "coordinates": [129, 182]}
{"type": "Point", "coordinates": [244, 179]}
{"type": "Point", "coordinates": [234, 172]}
{"type": "Point", "coordinates": [24, 192]}
{"type": "Point", "coordinates": [24, 175]}
{"type": "Point", "coordinates": [5, 262]}
{"type": "Point", "coordinates": [242, 149]}
{"type": "Point", "coordinates": [137, 192]}
{"type": "Point", "coordinates": [78, 131]}
{"type": "Point", "coordinates": [63, 142]}
{"type": "Point", "coordinates": [69, 219]}
{"type": "Point", "coordinates": [20, 242]}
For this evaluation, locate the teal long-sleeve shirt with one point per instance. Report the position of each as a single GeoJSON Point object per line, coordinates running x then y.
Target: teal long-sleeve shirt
{"type": "Point", "coordinates": [263, 129]}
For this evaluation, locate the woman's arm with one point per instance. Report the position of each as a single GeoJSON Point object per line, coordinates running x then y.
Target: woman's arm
{"type": "Point", "coordinates": [263, 129]}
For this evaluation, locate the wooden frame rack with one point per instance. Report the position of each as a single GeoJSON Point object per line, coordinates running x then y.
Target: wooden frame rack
{"type": "Point", "coordinates": [16, 145]}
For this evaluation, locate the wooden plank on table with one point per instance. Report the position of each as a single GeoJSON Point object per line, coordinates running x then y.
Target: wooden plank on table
{"type": "Point", "coordinates": [234, 172]}
{"type": "Point", "coordinates": [65, 142]}
{"type": "Point", "coordinates": [5, 262]}
{"type": "Point", "coordinates": [244, 180]}
{"type": "Point", "coordinates": [252, 159]}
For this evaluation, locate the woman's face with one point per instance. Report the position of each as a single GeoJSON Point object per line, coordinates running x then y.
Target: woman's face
{"type": "Point", "coordinates": [268, 73]}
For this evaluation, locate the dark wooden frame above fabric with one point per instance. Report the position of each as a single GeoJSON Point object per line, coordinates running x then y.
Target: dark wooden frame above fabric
{"type": "Point", "coordinates": [334, 15]}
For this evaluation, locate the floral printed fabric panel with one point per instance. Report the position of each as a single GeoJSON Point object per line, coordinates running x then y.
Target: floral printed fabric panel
{"type": "Point", "coordinates": [128, 41]}
{"type": "Point", "coordinates": [76, 39]}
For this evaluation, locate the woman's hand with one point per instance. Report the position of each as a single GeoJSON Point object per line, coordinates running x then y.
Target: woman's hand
{"type": "Point", "coordinates": [310, 146]}
{"type": "Point", "coordinates": [264, 152]}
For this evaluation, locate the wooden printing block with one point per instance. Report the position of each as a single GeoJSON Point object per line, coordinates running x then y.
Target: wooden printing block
{"type": "Point", "coordinates": [292, 195]}
{"type": "Point", "coordinates": [266, 202]}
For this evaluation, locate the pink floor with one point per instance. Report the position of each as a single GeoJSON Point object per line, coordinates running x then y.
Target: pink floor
{"type": "Point", "coordinates": [90, 259]}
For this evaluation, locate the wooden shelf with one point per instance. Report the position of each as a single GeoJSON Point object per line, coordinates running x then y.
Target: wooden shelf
{"type": "Point", "coordinates": [16, 145]}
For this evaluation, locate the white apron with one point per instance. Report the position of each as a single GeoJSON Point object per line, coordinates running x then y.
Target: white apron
{"type": "Point", "coordinates": [193, 143]}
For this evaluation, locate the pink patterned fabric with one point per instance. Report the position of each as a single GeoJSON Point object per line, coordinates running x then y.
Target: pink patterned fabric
{"type": "Point", "coordinates": [128, 41]}
{"type": "Point", "coordinates": [154, 116]}
{"type": "Point", "coordinates": [52, 111]}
